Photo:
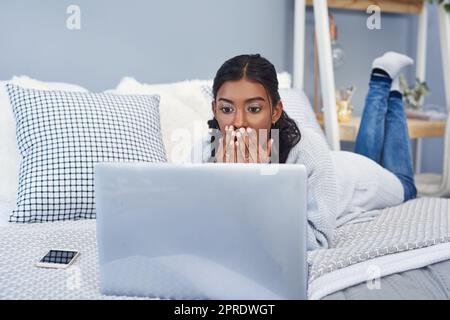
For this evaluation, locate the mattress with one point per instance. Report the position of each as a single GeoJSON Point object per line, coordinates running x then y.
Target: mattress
{"type": "Point", "coordinates": [411, 241]}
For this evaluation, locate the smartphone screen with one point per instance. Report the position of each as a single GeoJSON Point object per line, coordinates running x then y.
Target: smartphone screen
{"type": "Point", "coordinates": [59, 256]}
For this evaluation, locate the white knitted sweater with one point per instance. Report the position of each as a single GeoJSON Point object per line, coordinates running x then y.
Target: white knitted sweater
{"type": "Point", "coordinates": [313, 152]}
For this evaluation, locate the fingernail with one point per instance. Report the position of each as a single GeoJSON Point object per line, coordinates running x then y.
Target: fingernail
{"type": "Point", "coordinates": [242, 130]}
{"type": "Point", "coordinates": [249, 130]}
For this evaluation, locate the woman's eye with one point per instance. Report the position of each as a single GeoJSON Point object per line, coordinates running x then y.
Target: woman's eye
{"type": "Point", "coordinates": [254, 109]}
{"type": "Point", "coordinates": [226, 109]}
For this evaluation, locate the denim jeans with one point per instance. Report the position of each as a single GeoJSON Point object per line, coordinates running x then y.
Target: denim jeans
{"type": "Point", "coordinates": [383, 133]}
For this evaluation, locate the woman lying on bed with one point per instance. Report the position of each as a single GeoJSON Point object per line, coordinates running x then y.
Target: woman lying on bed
{"type": "Point", "coordinates": [253, 128]}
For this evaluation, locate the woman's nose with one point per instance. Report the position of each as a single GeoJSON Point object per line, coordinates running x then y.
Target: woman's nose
{"type": "Point", "coordinates": [240, 120]}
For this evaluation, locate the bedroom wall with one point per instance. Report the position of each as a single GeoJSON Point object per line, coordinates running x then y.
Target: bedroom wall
{"type": "Point", "coordinates": [170, 40]}
{"type": "Point", "coordinates": [154, 41]}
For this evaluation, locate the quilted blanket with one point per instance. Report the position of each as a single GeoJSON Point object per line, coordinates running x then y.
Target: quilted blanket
{"type": "Point", "coordinates": [411, 235]}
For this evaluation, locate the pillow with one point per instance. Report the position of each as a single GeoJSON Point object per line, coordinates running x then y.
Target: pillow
{"type": "Point", "coordinates": [10, 156]}
{"type": "Point", "coordinates": [187, 92]}
{"type": "Point", "coordinates": [62, 134]}
{"type": "Point", "coordinates": [183, 111]}
{"type": "Point", "coordinates": [297, 106]}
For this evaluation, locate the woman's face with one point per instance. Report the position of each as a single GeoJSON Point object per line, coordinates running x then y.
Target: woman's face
{"type": "Point", "coordinates": [245, 104]}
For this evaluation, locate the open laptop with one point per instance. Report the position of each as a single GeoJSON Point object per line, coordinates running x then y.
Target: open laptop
{"type": "Point", "coordinates": [202, 231]}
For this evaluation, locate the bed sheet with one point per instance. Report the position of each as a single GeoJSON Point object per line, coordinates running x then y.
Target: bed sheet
{"type": "Point", "coordinates": [21, 246]}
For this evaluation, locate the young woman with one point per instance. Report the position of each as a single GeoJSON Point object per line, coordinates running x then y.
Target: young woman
{"type": "Point", "coordinates": [342, 186]}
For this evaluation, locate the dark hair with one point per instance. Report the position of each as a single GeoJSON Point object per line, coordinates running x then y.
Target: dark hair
{"type": "Point", "coordinates": [257, 68]}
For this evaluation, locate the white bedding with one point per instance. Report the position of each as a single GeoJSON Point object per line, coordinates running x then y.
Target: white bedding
{"type": "Point", "coordinates": [6, 208]}
{"type": "Point", "coordinates": [401, 238]}
{"type": "Point", "coordinates": [21, 246]}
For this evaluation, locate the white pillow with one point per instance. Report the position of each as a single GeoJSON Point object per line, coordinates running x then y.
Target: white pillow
{"type": "Point", "coordinates": [62, 135]}
{"type": "Point", "coordinates": [9, 153]}
{"type": "Point", "coordinates": [184, 111]}
{"type": "Point", "coordinates": [297, 106]}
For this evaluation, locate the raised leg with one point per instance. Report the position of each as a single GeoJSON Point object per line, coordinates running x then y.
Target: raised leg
{"type": "Point", "coordinates": [370, 139]}
{"type": "Point", "coordinates": [397, 155]}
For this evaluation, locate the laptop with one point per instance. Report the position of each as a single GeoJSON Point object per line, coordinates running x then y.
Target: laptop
{"type": "Point", "coordinates": [202, 231]}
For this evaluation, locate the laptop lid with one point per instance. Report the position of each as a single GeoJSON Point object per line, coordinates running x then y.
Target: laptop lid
{"type": "Point", "coordinates": [207, 231]}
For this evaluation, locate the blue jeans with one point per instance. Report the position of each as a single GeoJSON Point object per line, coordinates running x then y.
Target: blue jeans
{"type": "Point", "coordinates": [383, 133]}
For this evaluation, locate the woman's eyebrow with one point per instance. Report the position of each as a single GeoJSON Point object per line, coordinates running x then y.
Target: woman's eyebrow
{"type": "Point", "coordinates": [246, 100]}
{"type": "Point", "coordinates": [226, 100]}
{"type": "Point", "coordinates": [255, 99]}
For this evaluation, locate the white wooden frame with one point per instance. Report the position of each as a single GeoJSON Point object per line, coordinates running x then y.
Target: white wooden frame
{"type": "Point", "coordinates": [444, 32]}
{"type": "Point", "coordinates": [325, 63]}
{"type": "Point", "coordinates": [326, 67]}
{"type": "Point", "coordinates": [421, 63]}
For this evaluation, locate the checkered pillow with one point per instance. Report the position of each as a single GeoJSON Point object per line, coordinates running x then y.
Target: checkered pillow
{"type": "Point", "coordinates": [61, 135]}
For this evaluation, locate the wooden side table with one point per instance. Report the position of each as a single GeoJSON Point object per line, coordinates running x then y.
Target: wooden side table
{"type": "Point", "coordinates": [417, 128]}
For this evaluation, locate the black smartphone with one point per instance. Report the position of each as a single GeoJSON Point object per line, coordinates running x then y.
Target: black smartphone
{"type": "Point", "coordinates": [57, 258]}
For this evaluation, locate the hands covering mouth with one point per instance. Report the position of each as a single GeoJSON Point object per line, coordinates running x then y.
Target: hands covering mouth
{"type": "Point", "coordinates": [243, 146]}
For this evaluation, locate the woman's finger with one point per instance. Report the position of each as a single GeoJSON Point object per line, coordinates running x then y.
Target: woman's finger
{"type": "Point", "coordinates": [265, 153]}
{"type": "Point", "coordinates": [240, 148]}
{"type": "Point", "coordinates": [252, 145]}
{"type": "Point", "coordinates": [230, 154]}
{"type": "Point", "coordinates": [269, 151]}
{"type": "Point", "coordinates": [239, 155]}
{"type": "Point", "coordinates": [244, 137]}
{"type": "Point", "coordinates": [220, 151]}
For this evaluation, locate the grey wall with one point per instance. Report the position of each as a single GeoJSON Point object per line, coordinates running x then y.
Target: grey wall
{"type": "Point", "coordinates": [170, 40]}
{"type": "Point", "coordinates": [154, 41]}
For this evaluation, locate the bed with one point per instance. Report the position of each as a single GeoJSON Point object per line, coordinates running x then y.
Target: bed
{"type": "Point", "coordinates": [400, 252]}
{"type": "Point", "coordinates": [404, 253]}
